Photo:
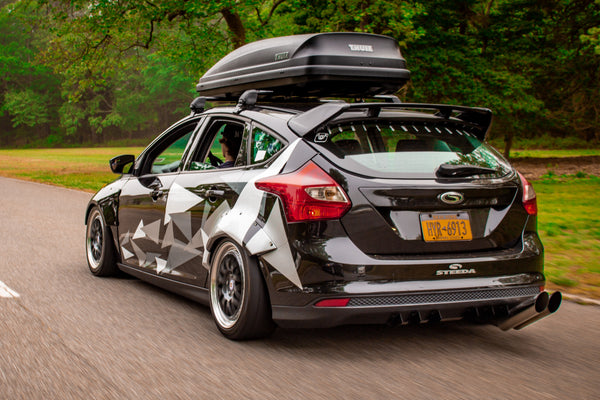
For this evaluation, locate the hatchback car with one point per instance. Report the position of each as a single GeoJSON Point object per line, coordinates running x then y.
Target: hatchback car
{"type": "Point", "coordinates": [315, 213]}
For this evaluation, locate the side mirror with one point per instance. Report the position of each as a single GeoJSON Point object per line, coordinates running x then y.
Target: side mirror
{"type": "Point", "coordinates": [118, 163]}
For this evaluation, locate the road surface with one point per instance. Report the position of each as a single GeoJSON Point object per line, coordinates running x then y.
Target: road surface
{"type": "Point", "coordinates": [65, 334]}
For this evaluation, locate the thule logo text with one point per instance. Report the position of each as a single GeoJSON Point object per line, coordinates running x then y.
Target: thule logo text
{"type": "Point", "coordinates": [361, 47]}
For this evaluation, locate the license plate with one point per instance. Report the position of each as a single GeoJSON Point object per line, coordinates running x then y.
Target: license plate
{"type": "Point", "coordinates": [442, 227]}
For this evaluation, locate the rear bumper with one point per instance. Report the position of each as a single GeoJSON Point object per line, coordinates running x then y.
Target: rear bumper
{"type": "Point", "coordinates": [421, 307]}
{"type": "Point", "coordinates": [403, 289]}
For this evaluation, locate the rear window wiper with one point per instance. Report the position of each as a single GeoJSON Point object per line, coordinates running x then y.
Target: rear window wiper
{"type": "Point", "coordinates": [459, 171]}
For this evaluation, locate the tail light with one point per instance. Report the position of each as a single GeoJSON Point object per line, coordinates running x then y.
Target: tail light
{"type": "Point", "coordinates": [307, 194]}
{"type": "Point", "coordinates": [529, 198]}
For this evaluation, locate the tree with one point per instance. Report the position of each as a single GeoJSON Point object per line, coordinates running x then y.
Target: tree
{"type": "Point", "coordinates": [384, 17]}
{"type": "Point", "coordinates": [516, 57]}
{"type": "Point", "coordinates": [108, 69]}
{"type": "Point", "coordinates": [118, 59]}
{"type": "Point", "coordinates": [27, 88]}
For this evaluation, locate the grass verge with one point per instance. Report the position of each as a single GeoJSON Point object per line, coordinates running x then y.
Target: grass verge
{"type": "Point", "coordinates": [85, 169]}
{"type": "Point", "coordinates": [554, 153]}
{"type": "Point", "coordinates": [569, 225]}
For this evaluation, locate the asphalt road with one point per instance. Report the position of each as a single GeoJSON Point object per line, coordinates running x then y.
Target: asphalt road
{"type": "Point", "coordinates": [69, 335]}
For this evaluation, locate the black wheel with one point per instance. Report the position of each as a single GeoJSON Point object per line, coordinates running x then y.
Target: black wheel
{"type": "Point", "coordinates": [100, 249]}
{"type": "Point", "coordinates": [238, 296]}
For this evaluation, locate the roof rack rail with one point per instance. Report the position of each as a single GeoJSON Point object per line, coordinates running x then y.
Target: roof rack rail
{"type": "Point", "coordinates": [248, 99]}
{"type": "Point", "coordinates": [389, 98]}
{"type": "Point", "coordinates": [199, 103]}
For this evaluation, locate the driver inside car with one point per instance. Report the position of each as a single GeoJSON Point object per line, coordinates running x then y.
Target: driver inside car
{"type": "Point", "coordinates": [230, 146]}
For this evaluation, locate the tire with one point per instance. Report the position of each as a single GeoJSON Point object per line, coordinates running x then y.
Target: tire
{"type": "Point", "coordinates": [238, 296]}
{"type": "Point", "coordinates": [99, 246]}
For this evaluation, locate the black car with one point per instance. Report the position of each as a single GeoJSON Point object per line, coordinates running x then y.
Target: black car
{"type": "Point", "coordinates": [288, 206]}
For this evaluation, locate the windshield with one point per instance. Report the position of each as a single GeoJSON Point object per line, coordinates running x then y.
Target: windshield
{"type": "Point", "coordinates": [408, 149]}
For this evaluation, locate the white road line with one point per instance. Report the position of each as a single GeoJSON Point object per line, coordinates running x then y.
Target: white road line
{"type": "Point", "coordinates": [7, 292]}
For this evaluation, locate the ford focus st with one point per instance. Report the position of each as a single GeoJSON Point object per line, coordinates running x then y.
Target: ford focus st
{"type": "Point", "coordinates": [278, 207]}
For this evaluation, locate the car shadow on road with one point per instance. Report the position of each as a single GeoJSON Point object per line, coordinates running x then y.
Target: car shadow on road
{"type": "Point", "coordinates": [383, 341]}
{"type": "Point", "coordinates": [354, 342]}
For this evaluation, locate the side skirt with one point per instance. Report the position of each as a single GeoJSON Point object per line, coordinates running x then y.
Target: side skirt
{"type": "Point", "coordinates": [192, 292]}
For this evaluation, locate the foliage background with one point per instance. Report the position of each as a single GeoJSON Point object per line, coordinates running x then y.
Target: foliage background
{"type": "Point", "coordinates": [120, 71]}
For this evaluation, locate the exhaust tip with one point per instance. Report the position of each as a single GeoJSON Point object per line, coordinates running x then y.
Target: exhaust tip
{"type": "Point", "coordinates": [541, 301]}
{"type": "Point", "coordinates": [554, 302]}
{"type": "Point", "coordinates": [521, 316]}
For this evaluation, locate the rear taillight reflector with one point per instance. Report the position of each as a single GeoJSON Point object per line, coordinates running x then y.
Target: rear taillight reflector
{"type": "Point", "coordinates": [307, 194]}
{"type": "Point", "coordinates": [333, 303]}
{"type": "Point", "coordinates": [529, 197]}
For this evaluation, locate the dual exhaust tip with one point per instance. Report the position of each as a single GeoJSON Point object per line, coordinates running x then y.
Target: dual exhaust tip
{"type": "Point", "coordinates": [526, 313]}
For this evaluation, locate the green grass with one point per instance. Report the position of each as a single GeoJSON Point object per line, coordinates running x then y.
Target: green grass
{"type": "Point", "coordinates": [554, 153]}
{"type": "Point", "coordinates": [84, 169]}
{"type": "Point", "coordinates": [569, 225]}
{"type": "Point", "coordinates": [547, 142]}
{"type": "Point", "coordinates": [569, 207]}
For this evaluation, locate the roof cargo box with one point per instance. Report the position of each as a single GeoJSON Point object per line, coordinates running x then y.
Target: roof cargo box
{"type": "Point", "coordinates": [320, 64]}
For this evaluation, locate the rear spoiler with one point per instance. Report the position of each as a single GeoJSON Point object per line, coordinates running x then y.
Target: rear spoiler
{"type": "Point", "coordinates": [480, 119]}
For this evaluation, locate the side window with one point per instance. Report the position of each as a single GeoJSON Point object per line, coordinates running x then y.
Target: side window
{"type": "Point", "coordinates": [222, 149]}
{"type": "Point", "coordinates": [263, 146]}
{"type": "Point", "coordinates": [166, 153]}
{"type": "Point", "coordinates": [169, 159]}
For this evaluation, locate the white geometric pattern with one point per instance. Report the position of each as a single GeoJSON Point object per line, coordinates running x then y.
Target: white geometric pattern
{"type": "Point", "coordinates": [236, 223]}
{"type": "Point", "coordinates": [281, 259]}
{"type": "Point", "coordinates": [183, 221]}
{"type": "Point", "coordinates": [139, 232]}
{"type": "Point", "coordinates": [152, 231]}
{"type": "Point", "coordinates": [160, 265]}
{"type": "Point", "coordinates": [169, 238]}
{"type": "Point", "coordinates": [179, 200]}
{"type": "Point", "coordinates": [179, 254]}
{"type": "Point", "coordinates": [139, 253]}
{"type": "Point", "coordinates": [126, 253]}
{"type": "Point", "coordinates": [270, 241]}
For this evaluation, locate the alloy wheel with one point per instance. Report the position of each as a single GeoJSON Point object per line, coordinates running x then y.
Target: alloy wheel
{"type": "Point", "coordinates": [95, 240]}
{"type": "Point", "coordinates": [227, 285]}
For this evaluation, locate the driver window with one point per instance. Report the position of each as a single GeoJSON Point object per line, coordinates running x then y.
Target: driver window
{"type": "Point", "coordinates": [170, 158]}
{"type": "Point", "coordinates": [224, 148]}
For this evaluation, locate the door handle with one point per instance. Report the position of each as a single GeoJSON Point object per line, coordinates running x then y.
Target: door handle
{"type": "Point", "coordinates": [215, 193]}
{"type": "Point", "coordinates": [212, 194]}
{"type": "Point", "coordinates": [156, 194]}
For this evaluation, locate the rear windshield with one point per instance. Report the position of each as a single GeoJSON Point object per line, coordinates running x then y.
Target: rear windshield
{"type": "Point", "coordinates": [393, 149]}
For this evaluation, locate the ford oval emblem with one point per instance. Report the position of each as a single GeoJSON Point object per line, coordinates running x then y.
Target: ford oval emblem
{"type": "Point", "coordinates": [452, 197]}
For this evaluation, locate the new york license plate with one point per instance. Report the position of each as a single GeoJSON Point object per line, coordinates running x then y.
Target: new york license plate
{"type": "Point", "coordinates": [438, 227]}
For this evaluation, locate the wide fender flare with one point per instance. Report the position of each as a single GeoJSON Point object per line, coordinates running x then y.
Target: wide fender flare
{"type": "Point", "coordinates": [242, 224]}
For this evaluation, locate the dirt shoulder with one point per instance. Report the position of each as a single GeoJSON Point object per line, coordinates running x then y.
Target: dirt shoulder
{"type": "Point", "coordinates": [534, 168]}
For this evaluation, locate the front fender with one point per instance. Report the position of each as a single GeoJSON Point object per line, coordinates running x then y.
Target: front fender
{"type": "Point", "coordinates": [107, 200]}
